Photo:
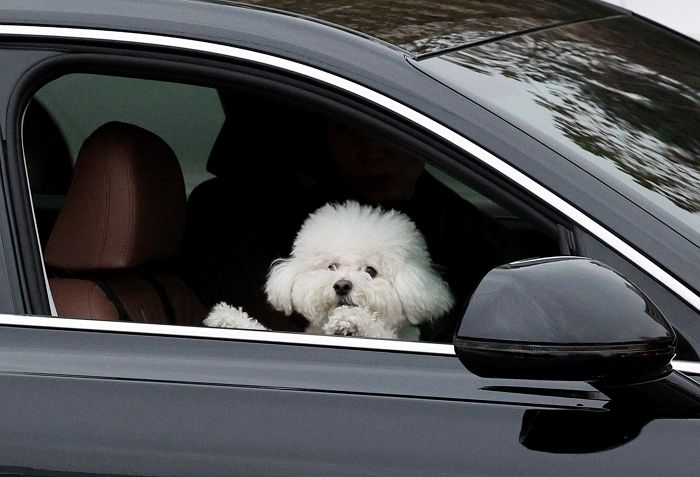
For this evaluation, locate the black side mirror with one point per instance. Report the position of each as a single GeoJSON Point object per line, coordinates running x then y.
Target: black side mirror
{"type": "Point", "coordinates": [563, 318]}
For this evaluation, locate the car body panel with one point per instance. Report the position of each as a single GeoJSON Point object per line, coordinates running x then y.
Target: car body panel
{"type": "Point", "coordinates": [657, 160]}
{"type": "Point", "coordinates": [621, 104]}
{"type": "Point", "coordinates": [424, 27]}
{"type": "Point", "coordinates": [175, 429]}
{"type": "Point", "coordinates": [269, 364]}
{"type": "Point", "coordinates": [10, 292]}
{"type": "Point", "coordinates": [151, 405]}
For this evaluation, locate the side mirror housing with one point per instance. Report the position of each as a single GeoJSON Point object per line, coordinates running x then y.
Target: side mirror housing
{"type": "Point", "coordinates": [563, 318]}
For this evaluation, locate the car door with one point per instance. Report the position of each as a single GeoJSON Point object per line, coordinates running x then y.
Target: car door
{"type": "Point", "coordinates": [131, 398]}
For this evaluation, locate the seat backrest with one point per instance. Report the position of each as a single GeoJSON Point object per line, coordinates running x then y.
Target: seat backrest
{"type": "Point", "coordinates": [248, 215]}
{"type": "Point", "coordinates": [121, 225]}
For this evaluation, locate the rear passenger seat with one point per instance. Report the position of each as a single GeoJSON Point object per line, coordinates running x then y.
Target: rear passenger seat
{"type": "Point", "coordinates": [110, 252]}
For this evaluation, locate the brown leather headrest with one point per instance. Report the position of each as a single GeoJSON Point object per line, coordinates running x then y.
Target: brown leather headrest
{"type": "Point", "coordinates": [125, 205]}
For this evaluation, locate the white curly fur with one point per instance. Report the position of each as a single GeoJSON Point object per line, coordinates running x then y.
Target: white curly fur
{"type": "Point", "coordinates": [339, 242]}
{"type": "Point", "coordinates": [358, 321]}
{"type": "Point", "coordinates": [227, 316]}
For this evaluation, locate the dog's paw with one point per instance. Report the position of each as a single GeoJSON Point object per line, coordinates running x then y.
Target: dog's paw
{"type": "Point", "coordinates": [357, 321]}
{"type": "Point", "coordinates": [227, 316]}
{"type": "Point", "coordinates": [341, 327]}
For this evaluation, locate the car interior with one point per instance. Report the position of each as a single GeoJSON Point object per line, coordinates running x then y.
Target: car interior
{"type": "Point", "coordinates": [182, 195]}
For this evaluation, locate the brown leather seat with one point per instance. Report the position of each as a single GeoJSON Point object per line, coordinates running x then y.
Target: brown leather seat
{"type": "Point", "coordinates": [122, 223]}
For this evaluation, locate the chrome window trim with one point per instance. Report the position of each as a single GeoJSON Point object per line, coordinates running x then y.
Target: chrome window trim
{"type": "Point", "coordinates": [222, 333]}
{"type": "Point", "coordinates": [689, 367]}
{"type": "Point", "coordinates": [377, 98]}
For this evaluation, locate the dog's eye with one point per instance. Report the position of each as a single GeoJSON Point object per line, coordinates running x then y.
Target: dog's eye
{"type": "Point", "coordinates": [333, 267]}
{"type": "Point", "coordinates": [371, 271]}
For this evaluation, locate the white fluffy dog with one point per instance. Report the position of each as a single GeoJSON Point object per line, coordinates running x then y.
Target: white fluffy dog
{"type": "Point", "coordinates": [354, 271]}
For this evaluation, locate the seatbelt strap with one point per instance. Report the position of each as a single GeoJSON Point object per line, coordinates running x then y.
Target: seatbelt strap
{"type": "Point", "coordinates": [112, 296]}
{"type": "Point", "coordinates": [163, 295]}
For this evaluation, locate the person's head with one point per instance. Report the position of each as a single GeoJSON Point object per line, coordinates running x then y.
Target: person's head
{"type": "Point", "coordinates": [374, 168]}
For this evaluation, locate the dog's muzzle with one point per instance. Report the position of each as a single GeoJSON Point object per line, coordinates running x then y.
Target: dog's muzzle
{"type": "Point", "coordinates": [342, 291]}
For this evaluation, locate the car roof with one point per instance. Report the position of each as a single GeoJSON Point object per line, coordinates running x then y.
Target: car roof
{"type": "Point", "coordinates": [421, 27]}
{"type": "Point", "coordinates": [416, 28]}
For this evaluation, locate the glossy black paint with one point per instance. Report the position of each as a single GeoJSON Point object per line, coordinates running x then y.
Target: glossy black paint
{"type": "Point", "coordinates": [562, 318]}
{"type": "Point", "coordinates": [632, 407]}
{"type": "Point", "coordinates": [431, 27]}
{"type": "Point", "coordinates": [579, 432]}
{"type": "Point", "coordinates": [667, 396]}
{"type": "Point", "coordinates": [622, 103]}
{"type": "Point", "coordinates": [562, 301]}
{"type": "Point", "coordinates": [179, 406]}
{"type": "Point", "coordinates": [119, 404]}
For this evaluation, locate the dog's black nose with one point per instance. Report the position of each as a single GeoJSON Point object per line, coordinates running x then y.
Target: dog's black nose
{"type": "Point", "coordinates": [342, 287]}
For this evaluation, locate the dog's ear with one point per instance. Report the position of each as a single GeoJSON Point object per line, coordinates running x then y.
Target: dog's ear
{"type": "Point", "coordinates": [423, 294]}
{"type": "Point", "coordinates": [279, 285]}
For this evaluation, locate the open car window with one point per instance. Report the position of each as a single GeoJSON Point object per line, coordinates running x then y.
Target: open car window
{"type": "Point", "coordinates": [80, 103]}
{"type": "Point", "coordinates": [162, 202]}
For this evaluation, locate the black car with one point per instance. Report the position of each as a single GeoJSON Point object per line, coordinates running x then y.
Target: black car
{"type": "Point", "coordinates": [158, 155]}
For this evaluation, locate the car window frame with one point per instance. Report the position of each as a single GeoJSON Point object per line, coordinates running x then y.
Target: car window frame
{"type": "Point", "coordinates": [10, 294]}
{"type": "Point", "coordinates": [415, 118]}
